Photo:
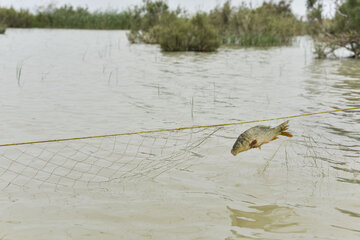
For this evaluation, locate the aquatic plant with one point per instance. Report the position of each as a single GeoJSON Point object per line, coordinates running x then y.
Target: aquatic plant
{"type": "Point", "coordinates": [204, 37]}
{"type": "Point", "coordinates": [2, 29]}
{"type": "Point", "coordinates": [174, 34]}
{"type": "Point", "coordinates": [271, 24]}
{"type": "Point", "coordinates": [16, 18]}
{"type": "Point", "coordinates": [69, 17]}
{"type": "Point", "coordinates": [145, 19]}
{"type": "Point", "coordinates": [65, 17]}
{"type": "Point", "coordinates": [182, 34]}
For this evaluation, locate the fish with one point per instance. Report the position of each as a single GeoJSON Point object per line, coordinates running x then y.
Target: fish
{"type": "Point", "coordinates": [256, 136]}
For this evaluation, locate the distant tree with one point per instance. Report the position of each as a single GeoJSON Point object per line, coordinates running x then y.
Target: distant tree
{"type": "Point", "coordinates": [343, 31]}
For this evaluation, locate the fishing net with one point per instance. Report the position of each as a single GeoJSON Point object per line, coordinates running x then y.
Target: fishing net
{"type": "Point", "coordinates": [319, 148]}
{"type": "Point", "coordinates": [99, 162]}
{"type": "Point", "coordinates": [94, 163]}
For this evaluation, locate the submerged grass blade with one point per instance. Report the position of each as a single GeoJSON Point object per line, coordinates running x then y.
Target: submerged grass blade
{"type": "Point", "coordinates": [18, 74]}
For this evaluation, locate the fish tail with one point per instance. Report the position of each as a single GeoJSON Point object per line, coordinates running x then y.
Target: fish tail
{"type": "Point", "coordinates": [282, 129]}
{"type": "Point", "coordinates": [287, 134]}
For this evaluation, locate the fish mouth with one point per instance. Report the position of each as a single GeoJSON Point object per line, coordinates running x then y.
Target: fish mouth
{"type": "Point", "coordinates": [233, 152]}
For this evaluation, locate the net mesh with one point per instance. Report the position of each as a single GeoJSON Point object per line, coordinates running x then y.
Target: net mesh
{"type": "Point", "coordinates": [93, 163]}
{"type": "Point", "coordinates": [316, 152]}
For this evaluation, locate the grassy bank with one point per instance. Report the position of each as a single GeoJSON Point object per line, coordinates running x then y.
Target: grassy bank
{"type": "Point", "coordinates": [65, 17]}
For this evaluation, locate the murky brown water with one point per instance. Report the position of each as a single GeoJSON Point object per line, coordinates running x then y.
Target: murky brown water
{"type": "Point", "coordinates": [183, 185]}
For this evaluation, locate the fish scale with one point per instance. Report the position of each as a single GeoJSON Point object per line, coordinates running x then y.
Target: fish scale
{"type": "Point", "coordinates": [256, 136]}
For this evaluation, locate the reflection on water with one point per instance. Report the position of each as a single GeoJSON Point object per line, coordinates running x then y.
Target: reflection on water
{"type": "Point", "coordinates": [347, 229]}
{"type": "Point", "coordinates": [336, 83]}
{"type": "Point", "coordinates": [270, 218]}
{"type": "Point", "coordinates": [347, 180]}
{"type": "Point", "coordinates": [331, 79]}
{"type": "Point", "coordinates": [350, 213]}
{"type": "Point", "coordinates": [350, 85]}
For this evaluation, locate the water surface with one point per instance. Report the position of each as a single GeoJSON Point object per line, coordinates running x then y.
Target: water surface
{"type": "Point", "coordinates": [73, 83]}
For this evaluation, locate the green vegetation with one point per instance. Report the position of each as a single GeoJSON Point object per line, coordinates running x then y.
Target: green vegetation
{"type": "Point", "coordinates": [154, 23]}
{"type": "Point", "coordinates": [65, 17]}
{"type": "Point", "coordinates": [343, 31]}
{"type": "Point", "coordinates": [13, 18]}
{"type": "Point", "coordinates": [272, 24]}
{"type": "Point", "coordinates": [195, 34]}
{"type": "Point", "coordinates": [145, 21]}
{"type": "Point", "coordinates": [2, 29]}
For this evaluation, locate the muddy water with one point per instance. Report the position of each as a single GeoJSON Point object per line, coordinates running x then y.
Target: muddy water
{"type": "Point", "coordinates": [183, 185]}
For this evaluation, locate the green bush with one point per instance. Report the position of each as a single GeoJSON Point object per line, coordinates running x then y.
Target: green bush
{"type": "Point", "coordinates": [175, 34]}
{"type": "Point", "coordinates": [271, 24]}
{"type": "Point", "coordinates": [343, 31]}
{"type": "Point", "coordinates": [204, 37]}
{"type": "Point", "coordinates": [182, 34]}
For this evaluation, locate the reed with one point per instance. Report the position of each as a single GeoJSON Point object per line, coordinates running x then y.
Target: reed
{"type": "Point", "coordinates": [65, 17]}
{"type": "Point", "coordinates": [16, 18]}
{"type": "Point", "coordinates": [2, 29]}
{"type": "Point", "coordinates": [182, 34]}
{"type": "Point", "coordinates": [272, 24]}
{"type": "Point", "coordinates": [81, 18]}
{"type": "Point", "coordinates": [18, 73]}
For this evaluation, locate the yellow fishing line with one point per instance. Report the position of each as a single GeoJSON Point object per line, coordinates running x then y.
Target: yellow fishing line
{"type": "Point", "coordinates": [178, 129]}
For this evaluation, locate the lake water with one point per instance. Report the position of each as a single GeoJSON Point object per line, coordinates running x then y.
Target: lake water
{"type": "Point", "coordinates": [179, 184]}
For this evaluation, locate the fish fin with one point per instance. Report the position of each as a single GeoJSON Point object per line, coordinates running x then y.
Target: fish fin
{"type": "Point", "coordinates": [287, 134]}
{"type": "Point", "coordinates": [262, 144]}
{"type": "Point", "coordinates": [274, 138]}
{"type": "Point", "coordinates": [253, 143]}
{"type": "Point", "coordinates": [283, 127]}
